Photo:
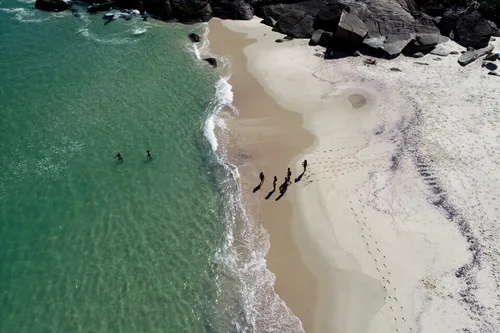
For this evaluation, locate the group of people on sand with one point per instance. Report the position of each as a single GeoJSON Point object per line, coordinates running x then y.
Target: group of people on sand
{"type": "Point", "coordinates": [119, 156]}
{"type": "Point", "coordinates": [283, 187]}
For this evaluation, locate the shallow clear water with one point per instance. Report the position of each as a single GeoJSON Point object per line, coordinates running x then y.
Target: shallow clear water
{"type": "Point", "coordinates": [88, 243]}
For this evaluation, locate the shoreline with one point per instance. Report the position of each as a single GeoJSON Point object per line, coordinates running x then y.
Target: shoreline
{"type": "Point", "coordinates": [272, 137]}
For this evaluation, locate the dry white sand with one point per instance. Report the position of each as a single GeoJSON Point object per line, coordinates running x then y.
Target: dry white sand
{"type": "Point", "coordinates": [398, 212]}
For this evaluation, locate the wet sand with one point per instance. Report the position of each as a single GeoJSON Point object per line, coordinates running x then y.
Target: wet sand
{"type": "Point", "coordinates": [266, 137]}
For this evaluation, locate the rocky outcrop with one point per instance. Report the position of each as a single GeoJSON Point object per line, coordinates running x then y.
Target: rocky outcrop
{"type": "Point", "coordinates": [52, 5]}
{"type": "Point", "coordinates": [350, 29]}
{"type": "Point", "coordinates": [229, 9]}
{"type": "Point", "coordinates": [473, 30]}
{"type": "Point", "coordinates": [384, 28]}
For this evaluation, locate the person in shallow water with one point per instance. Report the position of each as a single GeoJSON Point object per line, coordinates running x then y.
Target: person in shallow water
{"type": "Point", "coordinates": [119, 157]}
{"type": "Point", "coordinates": [149, 153]}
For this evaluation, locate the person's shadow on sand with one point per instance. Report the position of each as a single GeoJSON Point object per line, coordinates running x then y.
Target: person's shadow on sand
{"type": "Point", "coordinates": [257, 188]}
{"type": "Point", "coordinates": [299, 178]}
{"type": "Point", "coordinates": [270, 194]}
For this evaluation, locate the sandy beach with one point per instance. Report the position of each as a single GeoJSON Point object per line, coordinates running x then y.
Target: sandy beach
{"type": "Point", "coordinates": [393, 228]}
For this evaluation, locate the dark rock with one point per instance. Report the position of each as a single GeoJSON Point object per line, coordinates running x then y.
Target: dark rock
{"type": "Point", "coordinates": [315, 37]}
{"type": "Point", "coordinates": [489, 65]}
{"type": "Point", "coordinates": [394, 45]}
{"type": "Point", "coordinates": [454, 52]}
{"type": "Point", "coordinates": [212, 62]}
{"type": "Point", "coordinates": [395, 69]}
{"type": "Point", "coordinates": [473, 30]}
{"type": "Point", "coordinates": [279, 40]}
{"type": "Point", "coordinates": [351, 29]}
{"type": "Point", "coordinates": [296, 24]}
{"type": "Point", "coordinates": [449, 21]}
{"type": "Point", "coordinates": [288, 38]}
{"type": "Point", "coordinates": [422, 43]}
{"type": "Point", "coordinates": [326, 39]}
{"type": "Point", "coordinates": [190, 11]}
{"type": "Point", "coordinates": [294, 19]}
{"type": "Point", "coordinates": [332, 53]}
{"type": "Point", "coordinates": [493, 73]}
{"type": "Point", "coordinates": [232, 9]}
{"type": "Point", "coordinates": [194, 38]}
{"type": "Point", "coordinates": [52, 5]}
{"type": "Point", "coordinates": [471, 56]}
{"type": "Point", "coordinates": [421, 63]}
{"type": "Point", "coordinates": [383, 18]}
{"type": "Point", "coordinates": [328, 17]}
{"type": "Point", "coordinates": [269, 21]}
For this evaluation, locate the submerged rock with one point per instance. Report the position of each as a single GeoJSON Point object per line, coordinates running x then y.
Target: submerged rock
{"type": "Point", "coordinates": [194, 38]}
{"type": "Point", "coordinates": [52, 5]}
{"type": "Point", "coordinates": [212, 62]}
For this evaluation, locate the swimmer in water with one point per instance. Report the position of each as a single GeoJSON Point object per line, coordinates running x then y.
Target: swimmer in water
{"type": "Point", "coordinates": [119, 157]}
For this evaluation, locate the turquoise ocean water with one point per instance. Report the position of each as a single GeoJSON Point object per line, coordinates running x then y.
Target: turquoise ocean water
{"type": "Point", "coordinates": [91, 244]}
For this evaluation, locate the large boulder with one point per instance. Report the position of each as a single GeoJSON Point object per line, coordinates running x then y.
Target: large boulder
{"type": "Point", "coordinates": [232, 9]}
{"type": "Point", "coordinates": [52, 5]}
{"type": "Point", "coordinates": [390, 17]}
{"type": "Point", "coordinates": [189, 11]}
{"type": "Point", "coordinates": [328, 17]}
{"type": "Point", "coordinates": [350, 29]}
{"type": "Point", "coordinates": [473, 30]}
{"type": "Point", "coordinates": [293, 19]}
{"type": "Point", "coordinates": [448, 21]}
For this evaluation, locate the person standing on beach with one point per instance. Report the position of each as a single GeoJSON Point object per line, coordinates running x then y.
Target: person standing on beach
{"type": "Point", "coordinates": [275, 180]}
{"type": "Point", "coordinates": [304, 164]}
{"type": "Point", "coordinates": [149, 153]}
{"type": "Point", "coordinates": [119, 156]}
{"type": "Point", "coordinates": [288, 176]}
{"type": "Point", "coordinates": [261, 176]}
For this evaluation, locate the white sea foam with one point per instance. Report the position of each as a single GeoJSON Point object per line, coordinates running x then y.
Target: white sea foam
{"type": "Point", "coordinates": [243, 255]}
{"type": "Point", "coordinates": [110, 40]}
{"type": "Point", "coordinates": [139, 31]}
